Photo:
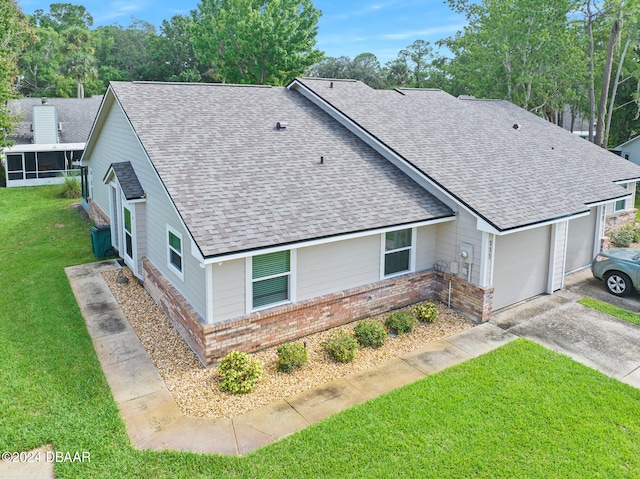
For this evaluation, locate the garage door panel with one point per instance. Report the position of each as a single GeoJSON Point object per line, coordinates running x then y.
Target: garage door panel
{"type": "Point", "coordinates": [580, 241]}
{"type": "Point", "coordinates": [521, 267]}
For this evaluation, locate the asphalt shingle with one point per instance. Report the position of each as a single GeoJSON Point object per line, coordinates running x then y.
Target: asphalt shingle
{"type": "Point", "coordinates": [131, 187]}
{"type": "Point", "coordinates": [75, 114]}
{"type": "Point", "coordinates": [240, 183]}
{"type": "Point", "coordinates": [509, 177]}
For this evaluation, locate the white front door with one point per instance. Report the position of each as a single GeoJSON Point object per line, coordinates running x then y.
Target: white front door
{"type": "Point", "coordinates": [128, 235]}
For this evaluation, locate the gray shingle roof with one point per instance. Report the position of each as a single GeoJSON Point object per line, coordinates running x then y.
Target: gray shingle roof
{"type": "Point", "coordinates": [75, 114]}
{"type": "Point", "coordinates": [129, 183]}
{"type": "Point", "coordinates": [240, 184]}
{"type": "Point", "coordinates": [510, 177]}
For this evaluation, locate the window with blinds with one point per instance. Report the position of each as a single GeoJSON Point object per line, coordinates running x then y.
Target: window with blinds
{"type": "Point", "coordinates": [271, 274]}
{"type": "Point", "coordinates": [397, 252]}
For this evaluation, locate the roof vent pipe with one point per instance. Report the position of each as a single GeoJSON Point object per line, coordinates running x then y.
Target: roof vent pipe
{"type": "Point", "coordinates": [331, 85]}
{"type": "Point", "coordinates": [282, 125]}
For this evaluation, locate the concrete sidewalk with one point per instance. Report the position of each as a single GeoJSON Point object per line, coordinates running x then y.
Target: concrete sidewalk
{"type": "Point", "coordinates": [154, 421]}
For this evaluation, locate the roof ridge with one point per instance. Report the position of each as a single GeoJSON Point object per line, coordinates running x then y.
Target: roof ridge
{"type": "Point", "coordinates": [140, 82]}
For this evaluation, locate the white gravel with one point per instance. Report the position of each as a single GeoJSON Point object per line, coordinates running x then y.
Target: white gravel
{"type": "Point", "coordinates": [194, 387]}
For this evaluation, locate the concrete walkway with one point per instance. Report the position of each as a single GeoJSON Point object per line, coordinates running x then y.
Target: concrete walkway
{"type": "Point", "coordinates": [595, 339]}
{"type": "Point", "coordinates": [154, 421]}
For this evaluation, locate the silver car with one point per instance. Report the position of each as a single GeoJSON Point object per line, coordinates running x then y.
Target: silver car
{"type": "Point", "coordinates": [620, 270]}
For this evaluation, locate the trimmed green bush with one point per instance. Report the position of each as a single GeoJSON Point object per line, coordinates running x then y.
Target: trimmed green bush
{"type": "Point", "coordinates": [625, 235]}
{"type": "Point", "coordinates": [426, 313]}
{"type": "Point", "coordinates": [291, 356]}
{"type": "Point", "coordinates": [341, 346]}
{"type": "Point", "coordinates": [239, 373]}
{"type": "Point", "coordinates": [400, 322]}
{"type": "Point", "coordinates": [370, 333]}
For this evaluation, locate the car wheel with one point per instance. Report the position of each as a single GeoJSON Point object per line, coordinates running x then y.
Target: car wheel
{"type": "Point", "coordinates": [618, 284]}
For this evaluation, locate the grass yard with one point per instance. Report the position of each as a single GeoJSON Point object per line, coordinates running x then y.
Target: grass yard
{"type": "Point", "coordinates": [520, 411]}
{"type": "Point", "coordinates": [611, 310]}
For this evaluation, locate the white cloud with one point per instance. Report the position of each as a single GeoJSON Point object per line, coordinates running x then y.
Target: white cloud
{"type": "Point", "coordinates": [444, 29]}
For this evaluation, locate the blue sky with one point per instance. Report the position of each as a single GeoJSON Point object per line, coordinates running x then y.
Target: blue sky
{"type": "Point", "coordinates": [381, 27]}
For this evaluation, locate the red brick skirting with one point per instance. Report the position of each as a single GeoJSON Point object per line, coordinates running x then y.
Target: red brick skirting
{"type": "Point", "coordinates": [286, 323]}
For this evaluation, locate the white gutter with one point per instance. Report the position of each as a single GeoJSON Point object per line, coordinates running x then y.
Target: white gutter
{"type": "Point", "coordinates": [43, 147]}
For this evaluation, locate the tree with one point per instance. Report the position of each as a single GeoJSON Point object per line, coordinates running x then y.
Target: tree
{"type": "Point", "coordinates": [332, 67]}
{"type": "Point", "coordinates": [62, 16]}
{"type": "Point", "coordinates": [40, 63]}
{"type": "Point", "coordinates": [79, 61]}
{"type": "Point", "coordinates": [420, 52]}
{"type": "Point", "coordinates": [364, 67]}
{"type": "Point", "coordinates": [525, 51]}
{"type": "Point", "coordinates": [125, 52]}
{"type": "Point", "coordinates": [172, 55]}
{"type": "Point", "coordinates": [15, 34]}
{"type": "Point", "coordinates": [256, 41]}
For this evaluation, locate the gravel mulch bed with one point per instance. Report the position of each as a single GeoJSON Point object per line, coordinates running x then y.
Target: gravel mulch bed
{"type": "Point", "coordinates": [194, 387]}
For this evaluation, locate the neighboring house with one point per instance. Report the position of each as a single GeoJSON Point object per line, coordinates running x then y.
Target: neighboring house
{"type": "Point", "coordinates": [256, 215]}
{"type": "Point", "coordinates": [629, 150]}
{"type": "Point", "coordinates": [49, 138]}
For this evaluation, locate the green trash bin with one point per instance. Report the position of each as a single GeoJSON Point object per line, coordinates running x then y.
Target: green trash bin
{"type": "Point", "coordinates": [101, 241]}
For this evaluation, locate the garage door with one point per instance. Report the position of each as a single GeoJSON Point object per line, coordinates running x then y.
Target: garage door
{"type": "Point", "coordinates": [521, 266]}
{"type": "Point", "coordinates": [582, 234]}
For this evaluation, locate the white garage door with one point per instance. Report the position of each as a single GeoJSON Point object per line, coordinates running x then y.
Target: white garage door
{"type": "Point", "coordinates": [521, 266]}
{"type": "Point", "coordinates": [582, 234]}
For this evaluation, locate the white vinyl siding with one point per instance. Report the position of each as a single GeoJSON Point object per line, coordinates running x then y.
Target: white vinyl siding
{"type": "Point", "coordinates": [122, 145]}
{"type": "Point", "coordinates": [451, 235]}
{"type": "Point", "coordinates": [333, 267]}
{"type": "Point", "coordinates": [425, 248]}
{"type": "Point", "coordinates": [560, 254]}
{"type": "Point", "coordinates": [229, 287]}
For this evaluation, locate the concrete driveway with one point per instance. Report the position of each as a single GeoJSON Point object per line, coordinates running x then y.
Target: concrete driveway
{"type": "Point", "coordinates": [594, 339]}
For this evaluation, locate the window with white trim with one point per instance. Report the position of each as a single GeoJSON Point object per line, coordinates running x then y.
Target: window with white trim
{"type": "Point", "coordinates": [175, 251]}
{"type": "Point", "coordinates": [270, 279]}
{"type": "Point", "coordinates": [621, 205]}
{"type": "Point", "coordinates": [398, 247]}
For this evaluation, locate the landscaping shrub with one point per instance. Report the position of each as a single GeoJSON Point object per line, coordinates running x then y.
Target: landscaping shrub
{"type": "Point", "coordinates": [341, 346]}
{"type": "Point", "coordinates": [624, 236]}
{"type": "Point", "coordinates": [291, 356]}
{"type": "Point", "coordinates": [370, 333]}
{"type": "Point", "coordinates": [426, 313]}
{"type": "Point", "coordinates": [239, 373]}
{"type": "Point", "coordinates": [401, 322]}
{"type": "Point", "coordinates": [71, 188]}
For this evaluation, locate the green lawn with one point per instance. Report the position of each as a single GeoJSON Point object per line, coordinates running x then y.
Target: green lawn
{"type": "Point", "coordinates": [520, 411]}
{"type": "Point", "coordinates": [611, 310]}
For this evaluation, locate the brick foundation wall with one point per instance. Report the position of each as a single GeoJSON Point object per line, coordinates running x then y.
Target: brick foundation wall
{"type": "Point", "coordinates": [286, 323]}
{"type": "Point", "coordinates": [184, 318]}
{"type": "Point", "coordinates": [97, 215]}
{"type": "Point", "coordinates": [473, 301]}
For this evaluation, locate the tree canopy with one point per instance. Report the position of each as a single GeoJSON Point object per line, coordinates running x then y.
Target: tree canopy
{"type": "Point", "coordinates": [15, 35]}
{"type": "Point", "coordinates": [566, 60]}
{"type": "Point", "coordinates": [256, 41]}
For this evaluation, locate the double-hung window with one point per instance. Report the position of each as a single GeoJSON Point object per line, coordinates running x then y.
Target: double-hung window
{"type": "Point", "coordinates": [621, 205]}
{"type": "Point", "coordinates": [270, 279]}
{"type": "Point", "coordinates": [398, 252]}
{"type": "Point", "coordinates": [175, 251]}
